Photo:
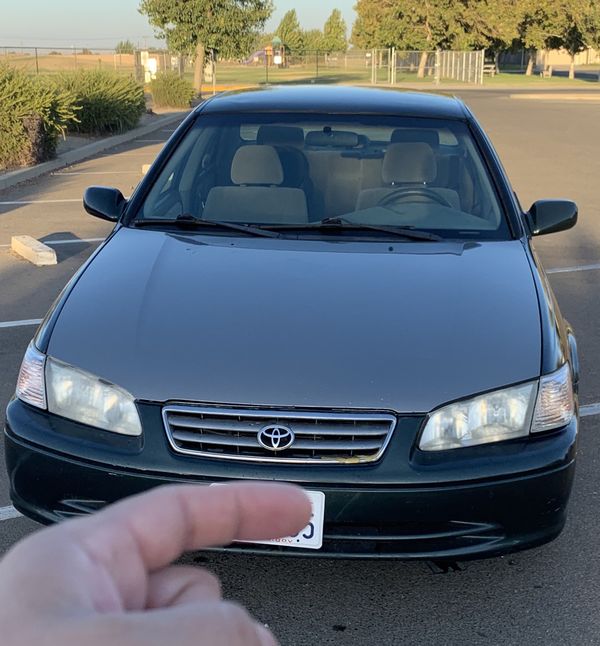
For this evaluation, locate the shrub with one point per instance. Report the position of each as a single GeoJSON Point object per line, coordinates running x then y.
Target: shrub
{"type": "Point", "coordinates": [109, 103]}
{"type": "Point", "coordinates": [33, 115]}
{"type": "Point", "coordinates": [169, 90]}
{"type": "Point", "coordinates": [125, 47]}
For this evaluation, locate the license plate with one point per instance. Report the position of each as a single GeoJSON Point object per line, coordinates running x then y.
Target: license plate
{"type": "Point", "coordinates": [311, 537]}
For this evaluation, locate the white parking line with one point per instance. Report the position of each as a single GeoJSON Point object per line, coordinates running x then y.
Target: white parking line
{"type": "Point", "coordinates": [151, 141]}
{"type": "Point", "coordinates": [565, 270]}
{"type": "Point", "coordinates": [16, 202]}
{"type": "Point", "coordinates": [6, 513]}
{"type": "Point", "coordinates": [589, 409]}
{"type": "Point", "coordinates": [5, 324]}
{"type": "Point", "coordinates": [96, 172]}
{"type": "Point", "coordinates": [75, 241]}
{"type": "Point", "coordinates": [59, 242]}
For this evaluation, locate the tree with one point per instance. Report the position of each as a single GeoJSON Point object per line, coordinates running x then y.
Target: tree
{"type": "Point", "coordinates": [313, 40]}
{"type": "Point", "coordinates": [591, 26]}
{"type": "Point", "coordinates": [579, 27]}
{"type": "Point", "coordinates": [193, 26]}
{"type": "Point", "coordinates": [373, 27]}
{"type": "Point", "coordinates": [408, 25]}
{"type": "Point", "coordinates": [334, 33]}
{"type": "Point", "coordinates": [488, 24]}
{"type": "Point", "coordinates": [539, 27]}
{"type": "Point", "coordinates": [290, 32]}
{"type": "Point", "coordinates": [125, 47]}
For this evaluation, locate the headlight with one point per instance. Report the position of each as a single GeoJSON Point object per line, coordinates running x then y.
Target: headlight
{"type": "Point", "coordinates": [82, 397]}
{"type": "Point", "coordinates": [503, 414]}
{"type": "Point", "coordinates": [61, 389]}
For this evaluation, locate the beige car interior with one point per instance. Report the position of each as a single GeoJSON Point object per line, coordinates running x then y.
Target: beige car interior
{"type": "Point", "coordinates": [256, 194]}
{"type": "Point", "coordinates": [288, 176]}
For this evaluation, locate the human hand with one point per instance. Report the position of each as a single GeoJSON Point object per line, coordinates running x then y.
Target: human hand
{"type": "Point", "coordinates": [106, 579]}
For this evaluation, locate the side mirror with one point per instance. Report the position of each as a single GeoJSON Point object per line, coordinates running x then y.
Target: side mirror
{"type": "Point", "coordinates": [550, 216]}
{"type": "Point", "coordinates": [104, 203]}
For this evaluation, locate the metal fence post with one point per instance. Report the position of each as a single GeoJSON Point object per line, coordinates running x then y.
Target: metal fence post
{"type": "Point", "coordinates": [317, 60]}
{"type": "Point", "coordinates": [266, 69]}
{"type": "Point", "coordinates": [437, 67]}
{"type": "Point", "coordinates": [37, 63]}
{"type": "Point", "coordinates": [373, 67]}
{"type": "Point", "coordinates": [481, 64]}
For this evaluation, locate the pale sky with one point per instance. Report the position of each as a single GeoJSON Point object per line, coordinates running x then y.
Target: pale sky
{"type": "Point", "coordinates": [95, 24]}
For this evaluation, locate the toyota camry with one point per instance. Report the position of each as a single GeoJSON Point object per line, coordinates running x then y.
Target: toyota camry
{"type": "Point", "coordinates": [329, 286]}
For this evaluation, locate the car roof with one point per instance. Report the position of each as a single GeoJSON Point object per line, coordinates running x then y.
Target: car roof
{"type": "Point", "coordinates": [337, 100]}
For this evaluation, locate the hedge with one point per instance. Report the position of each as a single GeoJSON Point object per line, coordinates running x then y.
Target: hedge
{"type": "Point", "coordinates": [109, 103]}
{"type": "Point", "coordinates": [169, 90]}
{"type": "Point", "coordinates": [34, 113]}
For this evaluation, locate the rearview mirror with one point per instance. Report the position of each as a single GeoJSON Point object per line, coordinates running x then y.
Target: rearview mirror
{"type": "Point", "coordinates": [104, 203]}
{"type": "Point", "coordinates": [550, 216]}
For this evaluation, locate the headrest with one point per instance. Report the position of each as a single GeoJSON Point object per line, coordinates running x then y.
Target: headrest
{"type": "Point", "coordinates": [280, 136]}
{"type": "Point", "coordinates": [416, 135]}
{"type": "Point", "coordinates": [258, 165]}
{"type": "Point", "coordinates": [332, 138]}
{"type": "Point", "coordinates": [410, 163]}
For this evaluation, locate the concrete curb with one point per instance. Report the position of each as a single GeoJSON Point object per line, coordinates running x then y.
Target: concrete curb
{"type": "Point", "coordinates": [556, 96]}
{"type": "Point", "coordinates": [33, 250]}
{"type": "Point", "coordinates": [79, 154]}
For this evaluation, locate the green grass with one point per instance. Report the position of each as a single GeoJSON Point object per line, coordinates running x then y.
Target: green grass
{"type": "Point", "coordinates": [241, 75]}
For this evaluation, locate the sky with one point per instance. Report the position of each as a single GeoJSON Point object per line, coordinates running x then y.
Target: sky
{"type": "Point", "coordinates": [93, 24]}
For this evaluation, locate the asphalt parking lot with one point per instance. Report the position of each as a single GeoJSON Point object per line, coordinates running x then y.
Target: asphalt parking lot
{"type": "Point", "coordinates": [544, 596]}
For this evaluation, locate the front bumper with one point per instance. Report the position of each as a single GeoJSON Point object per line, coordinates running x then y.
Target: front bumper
{"type": "Point", "coordinates": [428, 515]}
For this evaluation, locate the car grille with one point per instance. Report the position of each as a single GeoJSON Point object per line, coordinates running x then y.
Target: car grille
{"type": "Point", "coordinates": [318, 438]}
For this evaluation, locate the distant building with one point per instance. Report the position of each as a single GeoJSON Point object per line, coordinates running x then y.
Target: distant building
{"type": "Point", "coordinates": [554, 57]}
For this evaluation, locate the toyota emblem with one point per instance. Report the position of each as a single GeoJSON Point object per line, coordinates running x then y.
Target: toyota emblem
{"type": "Point", "coordinates": [276, 437]}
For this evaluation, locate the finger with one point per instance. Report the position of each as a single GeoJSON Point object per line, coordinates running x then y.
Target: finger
{"type": "Point", "coordinates": [181, 585]}
{"type": "Point", "coordinates": [217, 624]}
{"type": "Point", "coordinates": [170, 520]}
{"type": "Point", "coordinates": [147, 532]}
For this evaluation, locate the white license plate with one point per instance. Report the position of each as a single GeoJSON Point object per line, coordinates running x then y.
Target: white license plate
{"type": "Point", "coordinates": [311, 537]}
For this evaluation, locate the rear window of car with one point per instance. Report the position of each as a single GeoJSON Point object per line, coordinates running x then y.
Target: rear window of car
{"type": "Point", "coordinates": [286, 169]}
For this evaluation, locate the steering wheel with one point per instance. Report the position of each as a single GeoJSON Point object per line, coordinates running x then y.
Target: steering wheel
{"type": "Point", "coordinates": [402, 194]}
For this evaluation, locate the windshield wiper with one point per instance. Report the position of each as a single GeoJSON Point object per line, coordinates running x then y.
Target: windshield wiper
{"type": "Point", "coordinates": [342, 223]}
{"type": "Point", "coordinates": [187, 221]}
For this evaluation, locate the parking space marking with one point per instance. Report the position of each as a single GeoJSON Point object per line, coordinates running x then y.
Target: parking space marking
{"type": "Point", "coordinates": [59, 242]}
{"type": "Point", "coordinates": [566, 270]}
{"type": "Point", "coordinates": [7, 513]}
{"type": "Point", "coordinates": [6, 324]}
{"type": "Point", "coordinates": [589, 409]}
{"type": "Point", "coordinates": [97, 172]}
{"type": "Point", "coordinates": [17, 202]}
{"type": "Point", "coordinates": [152, 141]}
{"type": "Point", "coordinates": [75, 241]}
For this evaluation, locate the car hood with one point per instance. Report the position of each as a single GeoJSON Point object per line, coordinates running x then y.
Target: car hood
{"type": "Point", "coordinates": [400, 326]}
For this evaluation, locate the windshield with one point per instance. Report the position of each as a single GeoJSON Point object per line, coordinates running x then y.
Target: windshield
{"type": "Point", "coordinates": [292, 171]}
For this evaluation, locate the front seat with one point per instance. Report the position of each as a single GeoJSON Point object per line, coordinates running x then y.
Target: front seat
{"type": "Point", "coordinates": [257, 195]}
{"type": "Point", "coordinates": [407, 165]}
{"type": "Point", "coordinates": [288, 141]}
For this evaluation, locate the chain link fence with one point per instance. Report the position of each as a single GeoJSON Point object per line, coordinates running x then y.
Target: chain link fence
{"type": "Point", "coordinates": [52, 60]}
{"type": "Point", "coordinates": [353, 67]}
